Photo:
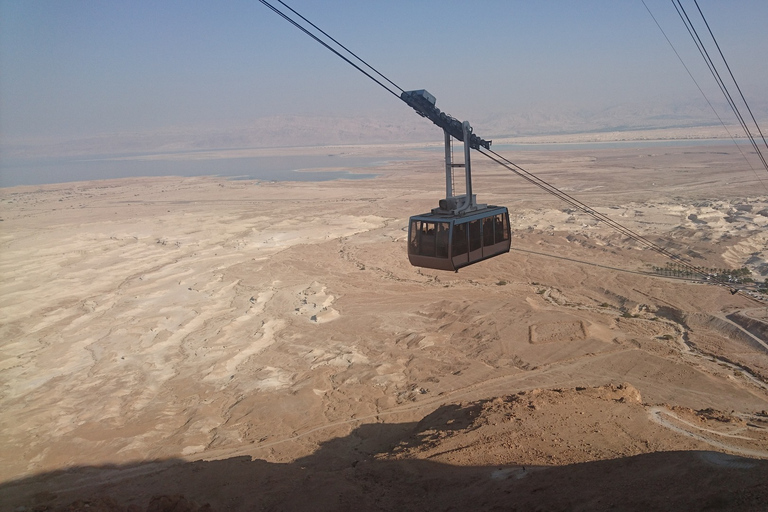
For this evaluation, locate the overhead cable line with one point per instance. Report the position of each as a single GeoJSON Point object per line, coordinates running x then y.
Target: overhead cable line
{"type": "Point", "coordinates": [535, 180]}
{"type": "Point", "coordinates": [716, 75]}
{"type": "Point", "coordinates": [731, 73]}
{"type": "Point", "coordinates": [313, 36]}
{"type": "Point", "coordinates": [338, 43]}
{"type": "Point", "coordinates": [600, 217]}
{"type": "Point", "coordinates": [530, 177]}
{"type": "Point", "coordinates": [704, 95]}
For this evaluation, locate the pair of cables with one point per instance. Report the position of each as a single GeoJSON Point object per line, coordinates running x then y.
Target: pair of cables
{"type": "Point", "coordinates": [335, 50]}
{"type": "Point", "coordinates": [358, 63]}
{"type": "Point", "coordinates": [600, 217]}
{"type": "Point", "coordinates": [718, 78]}
{"type": "Point", "coordinates": [713, 69]}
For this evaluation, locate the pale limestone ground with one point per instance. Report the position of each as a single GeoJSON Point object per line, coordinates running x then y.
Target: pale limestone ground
{"type": "Point", "coordinates": [193, 318]}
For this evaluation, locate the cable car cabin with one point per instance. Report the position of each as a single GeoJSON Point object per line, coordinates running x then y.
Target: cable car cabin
{"type": "Point", "coordinates": [445, 241]}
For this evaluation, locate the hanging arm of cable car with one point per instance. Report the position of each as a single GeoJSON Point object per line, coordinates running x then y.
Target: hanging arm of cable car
{"type": "Point", "coordinates": [424, 105]}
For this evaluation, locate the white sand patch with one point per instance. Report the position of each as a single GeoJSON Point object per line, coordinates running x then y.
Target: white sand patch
{"type": "Point", "coordinates": [427, 341]}
{"type": "Point", "coordinates": [191, 450]}
{"type": "Point", "coordinates": [273, 379]}
{"type": "Point", "coordinates": [227, 364]}
{"type": "Point", "coordinates": [326, 315]}
{"type": "Point", "coordinates": [261, 300]}
{"type": "Point", "coordinates": [342, 357]}
{"type": "Point", "coordinates": [388, 379]}
{"type": "Point", "coordinates": [388, 374]}
{"type": "Point", "coordinates": [315, 304]}
{"type": "Point", "coordinates": [292, 231]}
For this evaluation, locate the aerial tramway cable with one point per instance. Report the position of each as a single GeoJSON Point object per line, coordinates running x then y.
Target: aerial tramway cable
{"type": "Point", "coordinates": [716, 75]}
{"type": "Point", "coordinates": [341, 45]}
{"type": "Point", "coordinates": [313, 36]}
{"type": "Point", "coordinates": [731, 73]}
{"type": "Point", "coordinates": [492, 155]}
{"type": "Point", "coordinates": [704, 95]}
{"type": "Point", "coordinates": [535, 180]}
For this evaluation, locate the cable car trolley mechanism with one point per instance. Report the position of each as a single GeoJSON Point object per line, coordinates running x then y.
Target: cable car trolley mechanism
{"type": "Point", "coordinates": [459, 232]}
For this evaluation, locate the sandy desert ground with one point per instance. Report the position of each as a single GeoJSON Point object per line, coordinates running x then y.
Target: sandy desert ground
{"type": "Point", "coordinates": [211, 344]}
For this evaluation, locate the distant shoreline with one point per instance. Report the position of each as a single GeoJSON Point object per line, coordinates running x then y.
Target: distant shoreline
{"type": "Point", "coordinates": [170, 143]}
{"type": "Point", "coordinates": [328, 161]}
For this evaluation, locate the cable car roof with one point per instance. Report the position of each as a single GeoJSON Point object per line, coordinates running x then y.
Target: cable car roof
{"type": "Point", "coordinates": [437, 216]}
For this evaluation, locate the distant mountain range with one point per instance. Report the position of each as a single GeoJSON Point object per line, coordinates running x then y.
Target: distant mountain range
{"type": "Point", "coordinates": [391, 127]}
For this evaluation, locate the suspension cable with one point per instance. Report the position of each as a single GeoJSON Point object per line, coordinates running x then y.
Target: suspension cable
{"type": "Point", "coordinates": [716, 75]}
{"type": "Point", "coordinates": [704, 95]}
{"type": "Point", "coordinates": [731, 73]}
{"type": "Point", "coordinates": [600, 217]}
{"type": "Point", "coordinates": [313, 36]}
{"type": "Point", "coordinates": [499, 159]}
{"type": "Point", "coordinates": [338, 43]}
{"type": "Point", "coordinates": [535, 180]}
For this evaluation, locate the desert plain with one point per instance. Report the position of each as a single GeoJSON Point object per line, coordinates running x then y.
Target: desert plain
{"type": "Point", "coordinates": [203, 343]}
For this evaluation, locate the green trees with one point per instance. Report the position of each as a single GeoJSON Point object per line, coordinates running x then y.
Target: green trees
{"type": "Point", "coordinates": [737, 276]}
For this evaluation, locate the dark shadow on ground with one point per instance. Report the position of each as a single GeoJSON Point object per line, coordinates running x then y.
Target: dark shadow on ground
{"type": "Point", "coordinates": [345, 474]}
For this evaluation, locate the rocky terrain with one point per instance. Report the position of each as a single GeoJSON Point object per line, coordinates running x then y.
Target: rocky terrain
{"type": "Point", "coordinates": [202, 344]}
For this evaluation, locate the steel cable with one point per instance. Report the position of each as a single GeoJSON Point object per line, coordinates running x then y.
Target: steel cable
{"type": "Point", "coordinates": [530, 177]}
{"type": "Point", "coordinates": [338, 43]}
{"type": "Point", "coordinates": [716, 75]}
{"type": "Point", "coordinates": [313, 36]}
{"type": "Point", "coordinates": [731, 73]}
{"type": "Point", "coordinates": [535, 180]}
{"type": "Point", "coordinates": [703, 94]}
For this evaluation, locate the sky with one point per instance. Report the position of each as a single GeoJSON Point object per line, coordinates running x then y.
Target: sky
{"type": "Point", "coordinates": [74, 68]}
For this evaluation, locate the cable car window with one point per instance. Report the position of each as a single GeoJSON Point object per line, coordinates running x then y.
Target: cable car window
{"type": "Point", "coordinates": [459, 239]}
{"type": "Point", "coordinates": [427, 239]}
{"type": "Point", "coordinates": [488, 231]}
{"type": "Point", "coordinates": [475, 235]}
{"type": "Point", "coordinates": [441, 242]}
{"type": "Point", "coordinates": [414, 240]}
{"type": "Point", "coordinates": [501, 227]}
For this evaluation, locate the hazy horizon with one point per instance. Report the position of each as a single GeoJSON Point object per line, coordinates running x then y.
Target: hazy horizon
{"type": "Point", "coordinates": [80, 69]}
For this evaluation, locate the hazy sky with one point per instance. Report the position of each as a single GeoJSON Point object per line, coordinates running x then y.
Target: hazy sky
{"type": "Point", "coordinates": [87, 67]}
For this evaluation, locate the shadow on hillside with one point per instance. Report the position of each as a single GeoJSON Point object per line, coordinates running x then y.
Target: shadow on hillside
{"type": "Point", "coordinates": [343, 474]}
